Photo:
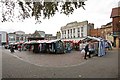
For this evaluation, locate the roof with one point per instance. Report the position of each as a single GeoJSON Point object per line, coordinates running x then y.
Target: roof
{"type": "Point", "coordinates": [41, 41]}
{"type": "Point", "coordinates": [91, 38]}
{"type": "Point", "coordinates": [108, 23]}
{"type": "Point", "coordinates": [76, 40]}
{"type": "Point", "coordinates": [75, 22]}
{"type": "Point", "coordinates": [38, 34]}
{"type": "Point", "coordinates": [115, 12]}
{"type": "Point", "coordinates": [51, 41]}
{"type": "Point", "coordinates": [32, 42]}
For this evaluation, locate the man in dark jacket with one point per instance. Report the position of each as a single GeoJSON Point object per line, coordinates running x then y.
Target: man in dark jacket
{"type": "Point", "coordinates": [86, 50]}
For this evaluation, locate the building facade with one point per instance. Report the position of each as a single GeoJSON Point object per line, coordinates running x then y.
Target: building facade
{"type": "Point", "coordinates": [58, 35]}
{"type": "Point", "coordinates": [27, 36]}
{"type": "Point", "coordinates": [3, 38]}
{"type": "Point", "coordinates": [95, 32]}
{"type": "Point", "coordinates": [106, 32]}
{"type": "Point", "coordinates": [50, 37]}
{"type": "Point", "coordinates": [37, 35]}
{"type": "Point", "coordinates": [20, 36]}
{"type": "Point", "coordinates": [11, 38]}
{"type": "Point", "coordinates": [76, 30]}
{"type": "Point", "coordinates": [115, 15]}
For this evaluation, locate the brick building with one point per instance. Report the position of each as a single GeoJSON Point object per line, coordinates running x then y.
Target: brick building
{"type": "Point", "coordinates": [115, 15]}
{"type": "Point", "coordinates": [95, 32]}
{"type": "Point", "coordinates": [105, 32]}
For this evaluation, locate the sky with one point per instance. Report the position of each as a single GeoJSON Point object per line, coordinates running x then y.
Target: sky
{"type": "Point", "coordinates": [96, 11]}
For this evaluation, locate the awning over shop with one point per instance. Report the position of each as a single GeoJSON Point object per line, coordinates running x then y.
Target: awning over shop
{"type": "Point", "coordinates": [77, 40]}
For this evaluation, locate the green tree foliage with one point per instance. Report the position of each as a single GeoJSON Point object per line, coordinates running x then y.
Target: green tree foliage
{"type": "Point", "coordinates": [39, 8]}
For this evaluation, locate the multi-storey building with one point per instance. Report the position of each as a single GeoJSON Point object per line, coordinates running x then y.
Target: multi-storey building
{"type": "Point", "coordinates": [3, 38]}
{"type": "Point", "coordinates": [106, 32]}
{"type": "Point", "coordinates": [11, 38]}
{"type": "Point", "coordinates": [37, 35]}
{"type": "Point", "coordinates": [58, 35]}
{"type": "Point", "coordinates": [20, 36]}
{"type": "Point", "coordinates": [76, 30]}
{"type": "Point", "coordinates": [115, 15]}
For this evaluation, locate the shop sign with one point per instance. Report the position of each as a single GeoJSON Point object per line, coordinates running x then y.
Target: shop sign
{"type": "Point", "coordinates": [116, 33]}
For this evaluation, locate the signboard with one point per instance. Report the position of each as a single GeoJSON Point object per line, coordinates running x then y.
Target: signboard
{"type": "Point", "coordinates": [116, 33]}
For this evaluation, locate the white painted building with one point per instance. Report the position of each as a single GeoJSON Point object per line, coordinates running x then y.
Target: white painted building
{"type": "Point", "coordinates": [3, 37]}
{"type": "Point", "coordinates": [76, 30]}
{"type": "Point", "coordinates": [20, 36]}
{"type": "Point", "coordinates": [12, 38]}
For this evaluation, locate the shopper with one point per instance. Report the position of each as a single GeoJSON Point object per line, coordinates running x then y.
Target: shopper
{"type": "Point", "coordinates": [86, 51]}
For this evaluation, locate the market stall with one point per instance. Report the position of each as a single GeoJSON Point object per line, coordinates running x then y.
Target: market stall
{"type": "Point", "coordinates": [68, 45]}
{"type": "Point", "coordinates": [42, 46]}
{"type": "Point", "coordinates": [55, 46]}
{"type": "Point", "coordinates": [71, 44]}
{"type": "Point", "coordinates": [98, 44]}
{"type": "Point", "coordinates": [46, 46]}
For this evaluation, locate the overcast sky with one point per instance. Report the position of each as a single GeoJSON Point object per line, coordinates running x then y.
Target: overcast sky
{"type": "Point", "coordinates": [97, 12]}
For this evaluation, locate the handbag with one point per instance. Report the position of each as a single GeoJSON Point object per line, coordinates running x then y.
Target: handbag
{"type": "Point", "coordinates": [83, 51]}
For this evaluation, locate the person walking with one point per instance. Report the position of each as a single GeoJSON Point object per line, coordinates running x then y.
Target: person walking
{"type": "Point", "coordinates": [12, 48]}
{"type": "Point", "coordinates": [86, 50]}
{"type": "Point", "coordinates": [19, 47]}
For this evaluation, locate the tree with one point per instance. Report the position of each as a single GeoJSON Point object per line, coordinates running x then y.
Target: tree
{"type": "Point", "coordinates": [37, 8]}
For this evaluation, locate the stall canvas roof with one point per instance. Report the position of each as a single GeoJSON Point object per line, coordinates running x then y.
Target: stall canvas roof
{"type": "Point", "coordinates": [12, 43]}
{"type": "Point", "coordinates": [27, 42]}
{"type": "Point", "coordinates": [42, 41]}
{"type": "Point", "coordinates": [76, 40]}
{"type": "Point", "coordinates": [91, 38]}
{"type": "Point", "coordinates": [32, 42]}
{"type": "Point", "coordinates": [51, 41]}
{"type": "Point", "coordinates": [20, 42]}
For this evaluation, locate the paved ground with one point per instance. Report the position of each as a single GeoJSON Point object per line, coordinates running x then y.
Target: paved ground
{"type": "Point", "coordinates": [0, 63]}
{"type": "Point", "coordinates": [50, 60]}
{"type": "Point", "coordinates": [96, 67]}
